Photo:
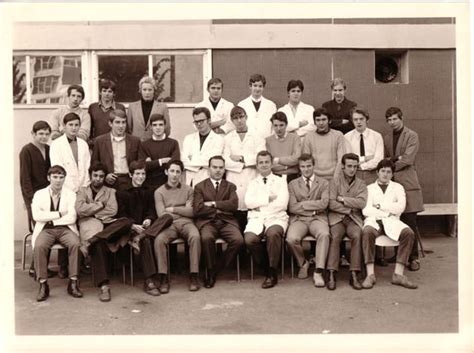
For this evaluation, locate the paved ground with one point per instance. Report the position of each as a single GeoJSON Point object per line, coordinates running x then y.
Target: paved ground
{"type": "Point", "coordinates": [294, 306]}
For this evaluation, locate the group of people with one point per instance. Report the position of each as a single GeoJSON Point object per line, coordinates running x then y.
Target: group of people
{"type": "Point", "coordinates": [251, 175]}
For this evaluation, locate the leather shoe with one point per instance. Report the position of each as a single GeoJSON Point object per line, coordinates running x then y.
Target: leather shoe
{"type": "Point", "coordinates": [318, 280]}
{"type": "Point", "coordinates": [369, 282]}
{"type": "Point", "coordinates": [270, 281]}
{"type": "Point", "coordinates": [63, 273]}
{"type": "Point", "coordinates": [303, 272]}
{"type": "Point", "coordinates": [403, 281]}
{"type": "Point", "coordinates": [73, 288]}
{"type": "Point", "coordinates": [332, 280]}
{"type": "Point", "coordinates": [354, 281]}
{"type": "Point", "coordinates": [104, 294]}
{"type": "Point", "coordinates": [150, 288]}
{"type": "Point", "coordinates": [43, 292]}
{"type": "Point", "coordinates": [164, 286]}
{"type": "Point", "coordinates": [210, 281]}
{"type": "Point", "coordinates": [193, 283]}
{"type": "Point", "coordinates": [414, 265]}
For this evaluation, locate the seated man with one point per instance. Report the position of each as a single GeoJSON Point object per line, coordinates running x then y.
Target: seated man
{"type": "Point", "coordinates": [176, 199]}
{"type": "Point", "coordinates": [137, 204]}
{"type": "Point", "coordinates": [214, 204]}
{"type": "Point", "coordinates": [100, 232]}
{"type": "Point", "coordinates": [309, 197]}
{"type": "Point", "coordinates": [385, 203]}
{"type": "Point", "coordinates": [347, 198]}
{"type": "Point", "coordinates": [267, 200]}
{"type": "Point", "coordinates": [55, 216]}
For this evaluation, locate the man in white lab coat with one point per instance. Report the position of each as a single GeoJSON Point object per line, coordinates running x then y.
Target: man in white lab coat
{"type": "Point", "coordinates": [258, 108]}
{"type": "Point", "coordinates": [385, 203]}
{"type": "Point", "coordinates": [240, 150]}
{"type": "Point", "coordinates": [267, 199]}
{"type": "Point", "coordinates": [218, 106]}
{"type": "Point", "coordinates": [200, 146]}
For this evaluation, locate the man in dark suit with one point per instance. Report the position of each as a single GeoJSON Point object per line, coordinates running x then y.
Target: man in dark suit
{"type": "Point", "coordinates": [215, 200]}
{"type": "Point", "coordinates": [117, 150]}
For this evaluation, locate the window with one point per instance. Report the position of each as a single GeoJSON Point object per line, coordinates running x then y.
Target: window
{"type": "Point", "coordinates": [391, 66]}
{"type": "Point", "coordinates": [19, 79]}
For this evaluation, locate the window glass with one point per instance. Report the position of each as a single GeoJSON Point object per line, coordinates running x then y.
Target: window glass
{"type": "Point", "coordinates": [126, 71]}
{"type": "Point", "coordinates": [19, 80]}
{"type": "Point", "coordinates": [178, 77]}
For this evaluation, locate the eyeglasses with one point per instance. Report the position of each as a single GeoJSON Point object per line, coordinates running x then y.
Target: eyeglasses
{"type": "Point", "coordinates": [199, 122]}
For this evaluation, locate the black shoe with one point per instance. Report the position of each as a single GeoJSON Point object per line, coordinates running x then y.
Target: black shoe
{"type": "Point", "coordinates": [164, 286]}
{"type": "Point", "coordinates": [354, 281]}
{"type": "Point", "coordinates": [73, 288]}
{"type": "Point", "coordinates": [210, 280]}
{"type": "Point", "coordinates": [193, 282]}
{"type": "Point", "coordinates": [332, 280]}
{"type": "Point", "coordinates": [271, 280]}
{"type": "Point", "coordinates": [43, 292]}
{"type": "Point", "coordinates": [414, 265]}
{"type": "Point", "coordinates": [63, 273]}
{"type": "Point", "coordinates": [150, 288]}
{"type": "Point", "coordinates": [104, 294]}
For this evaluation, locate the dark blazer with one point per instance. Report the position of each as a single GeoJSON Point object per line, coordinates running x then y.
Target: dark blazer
{"type": "Point", "coordinates": [226, 202]}
{"type": "Point", "coordinates": [136, 121]}
{"type": "Point", "coordinates": [103, 152]}
{"type": "Point", "coordinates": [405, 169]}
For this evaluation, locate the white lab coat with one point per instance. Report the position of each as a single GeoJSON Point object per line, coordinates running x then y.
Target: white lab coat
{"type": "Point", "coordinates": [237, 172]}
{"type": "Point", "coordinates": [392, 201]}
{"type": "Point", "coordinates": [263, 213]}
{"type": "Point", "coordinates": [60, 153]}
{"type": "Point", "coordinates": [259, 121]}
{"type": "Point", "coordinates": [304, 112]}
{"type": "Point", "coordinates": [196, 159]}
{"type": "Point", "coordinates": [222, 112]}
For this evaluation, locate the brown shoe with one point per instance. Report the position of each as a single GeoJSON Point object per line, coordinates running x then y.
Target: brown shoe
{"type": "Point", "coordinates": [104, 294]}
{"type": "Point", "coordinates": [369, 282]}
{"type": "Point", "coordinates": [414, 265]}
{"type": "Point", "coordinates": [403, 281]}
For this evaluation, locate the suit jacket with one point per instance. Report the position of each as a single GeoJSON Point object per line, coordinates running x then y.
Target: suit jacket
{"type": "Point", "coordinates": [103, 152]}
{"type": "Point", "coordinates": [405, 169]}
{"type": "Point", "coordinates": [60, 153]}
{"type": "Point", "coordinates": [303, 203]}
{"type": "Point", "coordinates": [41, 209]}
{"type": "Point", "coordinates": [136, 121]}
{"type": "Point", "coordinates": [226, 202]}
{"type": "Point", "coordinates": [392, 203]}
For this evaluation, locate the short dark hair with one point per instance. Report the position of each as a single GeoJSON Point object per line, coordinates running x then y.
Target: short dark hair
{"type": "Point", "coordinates": [360, 110]}
{"type": "Point", "coordinates": [280, 116]}
{"type": "Point", "coordinates": [237, 110]}
{"type": "Point", "coordinates": [71, 117]}
{"type": "Point", "coordinates": [56, 169]}
{"type": "Point", "coordinates": [214, 81]}
{"type": "Point", "coordinates": [78, 88]}
{"type": "Point", "coordinates": [351, 156]}
{"type": "Point", "coordinates": [117, 113]}
{"type": "Point", "coordinates": [321, 111]}
{"type": "Point", "coordinates": [306, 157]}
{"type": "Point", "coordinates": [40, 125]}
{"type": "Point", "coordinates": [96, 166]}
{"type": "Point", "coordinates": [384, 163]}
{"type": "Point", "coordinates": [157, 117]}
{"type": "Point", "coordinates": [257, 77]}
{"type": "Point", "coordinates": [175, 162]}
{"type": "Point", "coordinates": [105, 83]}
{"type": "Point", "coordinates": [135, 165]}
{"type": "Point", "coordinates": [199, 110]}
{"type": "Point", "coordinates": [294, 84]}
{"type": "Point", "coordinates": [264, 154]}
{"type": "Point", "coordinates": [218, 157]}
{"type": "Point", "coordinates": [394, 111]}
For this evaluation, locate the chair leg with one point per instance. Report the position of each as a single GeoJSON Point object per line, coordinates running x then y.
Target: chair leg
{"type": "Point", "coordinates": [238, 268]}
{"type": "Point", "coordinates": [251, 267]}
{"type": "Point", "coordinates": [282, 257]}
{"type": "Point", "coordinates": [23, 253]}
{"type": "Point", "coordinates": [131, 266]}
{"type": "Point", "coordinates": [292, 266]}
{"type": "Point", "coordinates": [418, 239]}
{"type": "Point", "coordinates": [168, 260]}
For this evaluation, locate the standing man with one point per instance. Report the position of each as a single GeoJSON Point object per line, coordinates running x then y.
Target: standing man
{"type": "Point", "coordinates": [327, 146]}
{"type": "Point", "coordinates": [385, 203]}
{"type": "Point", "coordinates": [117, 150]}
{"type": "Point", "coordinates": [157, 151]}
{"type": "Point", "coordinates": [339, 108]}
{"type": "Point", "coordinates": [199, 146]}
{"type": "Point", "coordinates": [401, 146]}
{"type": "Point", "coordinates": [100, 231]}
{"type": "Point", "coordinates": [309, 197]}
{"type": "Point", "coordinates": [218, 106]}
{"type": "Point", "coordinates": [176, 199]}
{"type": "Point", "coordinates": [299, 114]}
{"type": "Point", "coordinates": [347, 198]}
{"type": "Point", "coordinates": [267, 200]}
{"type": "Point", "coordinates": [75, 96]}
{"type": "Point", "coordinates": [258, 108]}
{"type": "Point", "coordinates": [55, 215]}
{"type": "Point", "coordinates": [240, 149]}
{"type": "Point", "coordinates": [214, 204]}
{"type": "Point", "coordinates": [366, 143]}
{"type": "Point", "coordinates": [72, 153]}
{"type": "Point", "coordinates": [99, 111]}
{"type": "Point", "coordinates": [284, 147]}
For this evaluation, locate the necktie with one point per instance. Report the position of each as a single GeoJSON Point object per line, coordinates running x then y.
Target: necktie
{"type": "Point", "coordinates": [217, 186]}
{"type": "Point", "coordinates": [362, 146]}
{"type": "Point", "coordinates": [264, 180]}
{"type": "Point", "coordinates": [308, 183]}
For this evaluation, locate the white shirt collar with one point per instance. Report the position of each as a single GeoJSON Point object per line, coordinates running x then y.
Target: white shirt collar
{"type": "Point", "coordinates": [116, 138]}
{"type": "Point", "coordinates": [157, 139]}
